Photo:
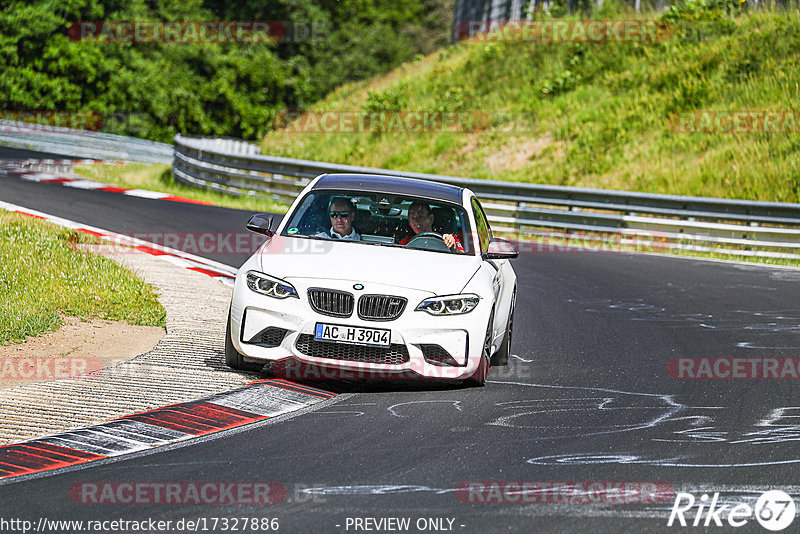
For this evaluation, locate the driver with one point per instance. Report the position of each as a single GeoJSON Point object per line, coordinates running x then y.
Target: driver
{"type": "Point", "coordinates": [342, 213]}
{"type": "Point", "coordinates": [420, 219]}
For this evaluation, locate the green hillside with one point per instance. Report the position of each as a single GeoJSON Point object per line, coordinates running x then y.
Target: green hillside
{"type": "Point", "coordinates": [592, 114]}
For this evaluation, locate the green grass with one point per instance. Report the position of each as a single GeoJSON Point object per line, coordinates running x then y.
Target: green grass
{"type": "Point", "coordinates": [158, 177]}
{"type": "Point", "coordinates": [602, 111]}
{"type": "Point", "coordinates": [785, 262]}
{"type": "Point", "coordinates": [44, 276]}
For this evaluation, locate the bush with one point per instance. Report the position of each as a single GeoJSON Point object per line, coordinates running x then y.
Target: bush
{"type": "Point", "coordinates": [155, 90]}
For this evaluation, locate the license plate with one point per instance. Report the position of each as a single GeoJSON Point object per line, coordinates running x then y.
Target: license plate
{"type": "Point", "coordinates": [338, 333]}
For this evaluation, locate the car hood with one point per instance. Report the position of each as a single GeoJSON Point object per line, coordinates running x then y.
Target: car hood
{"type": "Point", "coordinates": [439, 273]}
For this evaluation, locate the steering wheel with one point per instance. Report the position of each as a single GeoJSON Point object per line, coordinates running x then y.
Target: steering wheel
{"type": "Point", "coordinates": [429, 241]}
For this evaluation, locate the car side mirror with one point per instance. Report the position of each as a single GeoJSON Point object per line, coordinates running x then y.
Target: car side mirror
{"type": "Point", "coordinates": [500, 249]}
{"type": "Point", "coordinates": [261, 223]}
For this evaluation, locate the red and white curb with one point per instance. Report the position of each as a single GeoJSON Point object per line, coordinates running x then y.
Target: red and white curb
{"type": "Point", "coordinates": [19, 171]}
{"type": "Point", "coordinates": [260, 400]}
{"type": "Point", "coordinates": [220, 271]}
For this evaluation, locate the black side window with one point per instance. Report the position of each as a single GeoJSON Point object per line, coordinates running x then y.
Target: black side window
{"type": "Point", "coordinates": [484, 232]}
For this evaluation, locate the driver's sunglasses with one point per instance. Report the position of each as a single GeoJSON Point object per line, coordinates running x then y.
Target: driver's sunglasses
{"type": "Point", "coordinates": [340, 215]}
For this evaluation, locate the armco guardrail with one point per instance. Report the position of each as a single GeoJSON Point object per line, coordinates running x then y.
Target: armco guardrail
{"type": "Point", "coordinates": [82, 144]}
{"type": "Point", "coordinates": [767, 229]}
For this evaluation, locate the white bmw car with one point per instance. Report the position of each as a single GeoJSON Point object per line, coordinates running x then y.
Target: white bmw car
{"type": "Point", "coordinates": [376, 276]}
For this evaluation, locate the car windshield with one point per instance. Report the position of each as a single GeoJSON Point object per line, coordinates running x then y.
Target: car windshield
{"type": "Point", "coordinates": [380, 219]}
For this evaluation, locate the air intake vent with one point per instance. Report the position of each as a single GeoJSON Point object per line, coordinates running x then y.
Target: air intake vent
{"type": "Point", "coordinates": [438, 356]}
{"type": "Point", "coordinates": [396, 354]}
{"type": "Point", "coordinates": [269, 337]}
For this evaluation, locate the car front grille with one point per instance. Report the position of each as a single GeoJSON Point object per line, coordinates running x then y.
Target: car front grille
{"type": "Point", "coordinates": [380, 307]}
{"type": "Point", "coordinates": [437, 355]}
{"type": "Point", "coordinates": [331, 302]}
{"type": "Point", "coordinates": [396, 354]}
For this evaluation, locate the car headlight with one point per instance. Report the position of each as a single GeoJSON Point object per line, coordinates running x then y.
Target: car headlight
{"type": "Point", "coordinates": [449, 304]}
{"type": "Point", "coordinates": [270, 286]}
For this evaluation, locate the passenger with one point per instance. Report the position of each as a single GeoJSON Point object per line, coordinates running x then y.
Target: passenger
{"type": "Point", "coordinates": [420, 219]}
{"type": "Point", "coordinates": [342, 213]}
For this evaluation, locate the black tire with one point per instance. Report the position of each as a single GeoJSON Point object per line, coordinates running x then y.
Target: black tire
{"type": "Point", "coordinates": [478, 379]}
{"type": "Point", "coordinates": [233, 358]}
{"type": "Point", "coordinates": [500, 357]}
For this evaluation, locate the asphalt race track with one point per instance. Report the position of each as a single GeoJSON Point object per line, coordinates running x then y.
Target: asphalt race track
{"type": "Point", "coordinates": [586, 402]}
{"type": "Point", "coordinates": [7, 153]}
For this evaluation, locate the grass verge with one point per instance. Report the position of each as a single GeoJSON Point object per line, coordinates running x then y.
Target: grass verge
{"type": "Point", "coordinates": [158, 177]}
{"type": "Point", "coordinates": [44, 276]}
{"type": "Point", "coordinates": [598, 115]}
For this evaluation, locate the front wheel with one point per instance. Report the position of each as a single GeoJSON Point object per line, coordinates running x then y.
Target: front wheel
{"type": "Point", "coordinates": [233, 358]}
{"type": "Point", "coordinates": [500, 357]}
{"type": "Point", "coordinates": [478, 379]}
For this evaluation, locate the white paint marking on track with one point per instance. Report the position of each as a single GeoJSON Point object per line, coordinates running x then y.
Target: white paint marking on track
{"type": "Point", "coordinates": [670, 405]}
{"type": "Point", "coordinates": [146, 194]}
{"type": "Point", "coordinates": [393, 409]}
{"type": "Point", "coordinates": [677, 461]}
{"type": "Point", "coordinates": [84, 184]}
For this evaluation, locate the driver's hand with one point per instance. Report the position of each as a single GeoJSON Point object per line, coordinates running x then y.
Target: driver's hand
{"type": "Point", "coordinates": [449, 240]}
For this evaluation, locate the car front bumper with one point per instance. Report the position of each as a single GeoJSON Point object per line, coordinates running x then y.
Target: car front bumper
{"type": "Point", "coordinates": [268, 329]}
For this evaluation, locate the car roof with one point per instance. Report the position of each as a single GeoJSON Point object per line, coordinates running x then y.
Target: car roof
{"type": "Point", "coordinates": [379, 183]}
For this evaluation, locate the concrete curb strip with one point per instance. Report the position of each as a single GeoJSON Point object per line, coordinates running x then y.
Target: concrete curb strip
{"type": "Point", "coordinates": [162, 426]}
{"type": "Point", "coordinates": [187, 364]}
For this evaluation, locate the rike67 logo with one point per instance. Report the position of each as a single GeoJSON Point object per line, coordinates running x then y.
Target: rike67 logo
{"type": "Point", "coordinates": [774, 510]}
